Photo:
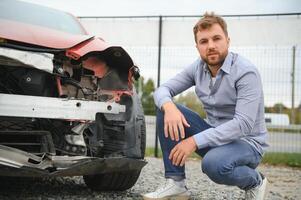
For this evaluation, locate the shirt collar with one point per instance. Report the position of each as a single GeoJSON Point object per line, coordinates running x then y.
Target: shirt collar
{"type": "Point", "coordinates": [205, 67]}
{"type": "Point", "coordinates": [226, 65]}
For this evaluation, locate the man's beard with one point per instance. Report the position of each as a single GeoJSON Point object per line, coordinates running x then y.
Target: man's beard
{"type": "Point", "coordinates": [217, 62]}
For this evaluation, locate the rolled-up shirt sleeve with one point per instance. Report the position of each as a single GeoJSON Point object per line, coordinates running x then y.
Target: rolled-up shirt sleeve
{"type": "Point", "coordinates": [248, 97]}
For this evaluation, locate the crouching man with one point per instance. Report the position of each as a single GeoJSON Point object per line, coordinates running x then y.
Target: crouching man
{"type": "Point", "coordinates": [232, 139]}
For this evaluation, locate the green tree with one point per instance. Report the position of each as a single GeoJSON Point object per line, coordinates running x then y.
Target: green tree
{"type": "Point", "coordinates": [147, 97]}
{"type": "Point", "coordinates": [279, 108]}
{"type": "Point", "coordinates": [146, 90]}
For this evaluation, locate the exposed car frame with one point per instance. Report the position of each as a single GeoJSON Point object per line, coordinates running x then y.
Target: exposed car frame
{"type": "Point", "coordinates": [68, 106]}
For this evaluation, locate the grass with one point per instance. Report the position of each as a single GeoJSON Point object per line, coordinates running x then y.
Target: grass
{"type": "Point", "coordinates": [286, 159]}
{"type": "Point", "coordinates": [279, 159]}
{"type": "Point", "coordinates": [283, 130]}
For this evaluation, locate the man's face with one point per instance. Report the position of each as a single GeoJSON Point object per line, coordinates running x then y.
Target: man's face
{"type": "Point", "coordinates": [212, 44]}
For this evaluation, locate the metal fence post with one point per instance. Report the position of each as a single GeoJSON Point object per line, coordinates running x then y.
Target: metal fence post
{"type": "Point", "coordinates": [158, 79]}
{"type": "Point", "coordinates": [293, 85]}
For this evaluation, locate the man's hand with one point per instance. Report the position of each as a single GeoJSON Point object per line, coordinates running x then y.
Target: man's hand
{"type": "Point", "coordinates": [182, 151]}
{"type": "Point", "coordinates": [174, 121]}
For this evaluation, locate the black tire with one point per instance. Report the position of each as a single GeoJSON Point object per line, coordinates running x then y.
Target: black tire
{"type": "Point", "coordinates": [112, 181]}
{"type": "Point", "coordinates": [124, 180]}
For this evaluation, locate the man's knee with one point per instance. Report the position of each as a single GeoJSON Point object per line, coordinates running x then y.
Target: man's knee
{"type": "Point", "coordinates": [216, 169]}
{"type": "Point", "coordinates": [209, 166]}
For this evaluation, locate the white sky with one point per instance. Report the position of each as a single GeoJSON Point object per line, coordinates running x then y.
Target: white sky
{"type": "Point", "coordinates": [171, 7]}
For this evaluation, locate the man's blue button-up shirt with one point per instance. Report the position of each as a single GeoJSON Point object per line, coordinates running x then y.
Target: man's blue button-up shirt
{"type": "Point", "coordinates": [233, 102]}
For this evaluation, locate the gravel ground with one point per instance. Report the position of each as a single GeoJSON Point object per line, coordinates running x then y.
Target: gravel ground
{"type": "Point", "coordinates": [285, 183]}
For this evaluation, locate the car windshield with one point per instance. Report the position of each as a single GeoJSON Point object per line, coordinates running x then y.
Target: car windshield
{"type": "Point", "coordinates": [39, 15]}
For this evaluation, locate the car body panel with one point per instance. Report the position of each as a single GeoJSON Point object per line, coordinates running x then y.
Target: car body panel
{"type": "Point", "coordinates": [38, 35]}
{"type": "Point", "coordinates": [92, 45]}
{"type": "Point", "coordinates": [13, 57]}
{"type": "Point", "coordinates": [75, 46]}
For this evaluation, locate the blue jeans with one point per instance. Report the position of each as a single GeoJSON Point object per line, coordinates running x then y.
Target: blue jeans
{"type": "Point", "coordinates": [230, 164]}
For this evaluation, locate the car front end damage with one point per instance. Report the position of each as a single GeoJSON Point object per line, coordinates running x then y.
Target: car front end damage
{"type": "Point", "coordinates": [14, 162]}
{"type": "Point", "coordinates": [70, 110]}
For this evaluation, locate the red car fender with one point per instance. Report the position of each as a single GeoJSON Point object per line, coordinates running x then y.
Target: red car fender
{"type": "Point", "coordinates": [92, 45]}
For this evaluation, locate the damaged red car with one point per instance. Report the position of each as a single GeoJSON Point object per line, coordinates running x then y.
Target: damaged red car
{"type": "Point", "coordinates": [68, 106]}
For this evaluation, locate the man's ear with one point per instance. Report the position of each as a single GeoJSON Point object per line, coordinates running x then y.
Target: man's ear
{"type": "Point", "coordinates": [228, 41]}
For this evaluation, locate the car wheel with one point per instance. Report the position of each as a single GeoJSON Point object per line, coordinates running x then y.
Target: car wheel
{"type": "Point", "coordinates": [112, 181]}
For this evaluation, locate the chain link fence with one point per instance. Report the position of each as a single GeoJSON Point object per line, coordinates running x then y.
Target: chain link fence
{"type": "Point", "coordinates": [161, 46]}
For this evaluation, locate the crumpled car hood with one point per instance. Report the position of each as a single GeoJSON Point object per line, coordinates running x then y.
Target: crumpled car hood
{"type": "Point", "coordinates": [40, 36]}
{"type": "Point", "coordinates": [75, 46]}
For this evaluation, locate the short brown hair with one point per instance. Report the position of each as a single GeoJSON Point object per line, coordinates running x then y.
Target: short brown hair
{"type": "Point", "coordinates": [207, 21]}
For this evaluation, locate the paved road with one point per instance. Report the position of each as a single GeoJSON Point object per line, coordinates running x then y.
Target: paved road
{"type": "Point", "coordinates": [279, 142]}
